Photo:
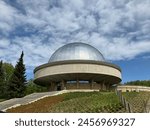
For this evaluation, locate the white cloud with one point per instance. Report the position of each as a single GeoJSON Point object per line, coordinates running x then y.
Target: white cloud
{"type": "Point", "coordinates": [4, 43]}
{"type": "Point", "coordinates": [118, 28]}
{"type": "Point", "coordinates": [6, 17]}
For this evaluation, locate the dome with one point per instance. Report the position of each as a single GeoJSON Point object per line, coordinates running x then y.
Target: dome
{"type": "Point", "coordinates": [76, 51]}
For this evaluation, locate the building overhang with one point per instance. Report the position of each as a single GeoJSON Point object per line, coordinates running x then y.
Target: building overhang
{"type": "Point", "coordinates": [77, 69]}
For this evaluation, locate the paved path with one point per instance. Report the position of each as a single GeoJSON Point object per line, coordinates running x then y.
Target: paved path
{"type": "Point", "coordinates": [25, 100]}
{"type": "Point", "coordinates": [33, 97]}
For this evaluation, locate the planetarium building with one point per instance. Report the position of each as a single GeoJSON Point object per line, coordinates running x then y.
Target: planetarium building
{"type": "Point", "coordinates": [77, 66]}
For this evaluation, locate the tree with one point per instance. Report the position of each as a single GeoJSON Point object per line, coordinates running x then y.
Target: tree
{"type": "Point", "coordinates": [2, 79]}
{"type": "Point", "coordinates": [31, 87]}
{"type": "Point", "coordinates": [8, 70]}
{"type": "Point", "coordinates": [139, 82]}
{"type": "Point", "coordinates": [16, 86]}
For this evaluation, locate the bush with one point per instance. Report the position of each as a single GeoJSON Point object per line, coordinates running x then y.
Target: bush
{"type": "Point", "coordinates": [31, 87]}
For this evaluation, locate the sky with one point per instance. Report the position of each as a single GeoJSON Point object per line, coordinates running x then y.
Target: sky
{"type": "Point", "coordinates": [119, 29]}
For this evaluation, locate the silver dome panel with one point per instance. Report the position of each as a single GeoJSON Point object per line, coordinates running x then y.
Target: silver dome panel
{"type": "Point", "coordinates": [76, 51]}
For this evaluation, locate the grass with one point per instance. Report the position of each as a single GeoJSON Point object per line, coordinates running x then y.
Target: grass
{"type": "Point", "coordinates": [138, 100]}
{"type": "Point", "coordinates": [74, 102]}
{"type": "Point", "coordinates": [86, 102]}
{"type": "Point", "coordinates": [96, 102]}
{"type": "Point", "coordinates": [38, 106]}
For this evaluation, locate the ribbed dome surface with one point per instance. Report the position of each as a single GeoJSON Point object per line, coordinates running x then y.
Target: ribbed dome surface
{"type": "Point", "coordinates": [76, 51]}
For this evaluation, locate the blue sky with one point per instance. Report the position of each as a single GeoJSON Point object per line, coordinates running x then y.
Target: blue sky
{"type": "Point", "coordinates": [119, 29]}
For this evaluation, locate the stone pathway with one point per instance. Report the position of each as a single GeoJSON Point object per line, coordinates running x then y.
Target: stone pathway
{"type": "Point", "coordinates": [25, 100]}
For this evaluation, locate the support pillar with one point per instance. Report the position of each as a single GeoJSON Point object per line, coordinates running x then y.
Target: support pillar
{"type": "Point", "coordinates": [52, 86]}
{"type": "Point", "coordinates": [65, 85]}
{"type": "Point", "coordinates": [100, 86]}
{"type": "Point", "coordinates": [62, 85]}
{"type": "Point", "coordinates": [92, 84]}
{"type": "Point", "coordinates": [108, 87]}
{"type": "Point", "coordinates": [77, 83]}
{"type": "Point", "coordinates": [49, 87]}
{"type": "Point", "coordinates": [103, 86]}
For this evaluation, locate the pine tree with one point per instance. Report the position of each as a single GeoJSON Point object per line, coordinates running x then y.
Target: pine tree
{"type": "Point", "coordinates": [2, 80]}
{"type": "Point", "coordinates": [16, 86]}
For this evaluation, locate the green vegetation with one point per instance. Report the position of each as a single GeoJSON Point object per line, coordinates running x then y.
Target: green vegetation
{"type": "Point", "coordinates": [16, 85]}
{"type": "Point", "coordinates": [13, 81]}
{"type": "Point", "coordinates": [8, 71]}
{"type": "Point", "coordinates": [75, 102]}
{"type": "Point", "coordinates": [31, 87]}
{"type": "Point", "coordinates": [2, 79]}
{"type": "Point", "coordinates": [139, 82]}
{"type": "Point", "coordinates": [68, 96]}
{"type": "Point", "coordinates": [93, 102]}
{"type": "Point", "coordinates": [137, 100]}
{"type": "Point", "coordinates": [99, 102]}
{"type": "Point", "coordinates": [1, 100]}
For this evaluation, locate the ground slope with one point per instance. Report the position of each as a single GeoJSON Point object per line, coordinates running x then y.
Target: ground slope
{"type": "Point", "coordinates": [74, 102]}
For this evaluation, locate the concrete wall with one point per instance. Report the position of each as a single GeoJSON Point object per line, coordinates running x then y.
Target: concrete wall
{"type": "Point", "coordinates": [125, 88]}
{"type": "Point", "coordinates": [78, 68]}
{"type": "Point", "coordinates": [100, 75]}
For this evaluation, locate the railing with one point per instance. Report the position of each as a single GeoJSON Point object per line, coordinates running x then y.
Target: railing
{"type": "Point", "coordinates": [128, 106]}
{"type": "Point", "coordinates": [124, 102]}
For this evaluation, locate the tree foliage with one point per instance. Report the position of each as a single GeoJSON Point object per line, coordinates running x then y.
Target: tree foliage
{"type": "Point", "coordinates": [2, 79]}
{"type": "Point", "coordinates": [13, 81]}
{"type": "Point", "coordinates": [139, 82]}
{"type": "Point", "coordinates": [16, 85]}
{"type": "Point", "coordinates": [1, 72]}
{"type": "Point", "coordinates": [8, 70]}
{"type": "Point", "coordinates": [31, 87]}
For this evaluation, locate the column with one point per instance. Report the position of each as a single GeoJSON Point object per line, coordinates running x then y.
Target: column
{"type": "Point", "coordinates": [62, 85]}
{"type": "Point", "coordinates": [103, 85]}
{"type": "Point", "coordinates": [77, 83]}
{"type": "Point", "coordinates": [92, 85]}
{"type": "Point", "coordinates": [52, 87]}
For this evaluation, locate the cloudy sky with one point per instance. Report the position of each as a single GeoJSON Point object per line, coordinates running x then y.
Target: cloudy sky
{"type": "Point", "coordinates": [120, 29]}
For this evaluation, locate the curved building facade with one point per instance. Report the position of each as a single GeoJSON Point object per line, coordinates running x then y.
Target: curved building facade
{"type": "Point", "coordinates": [77, 66]}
